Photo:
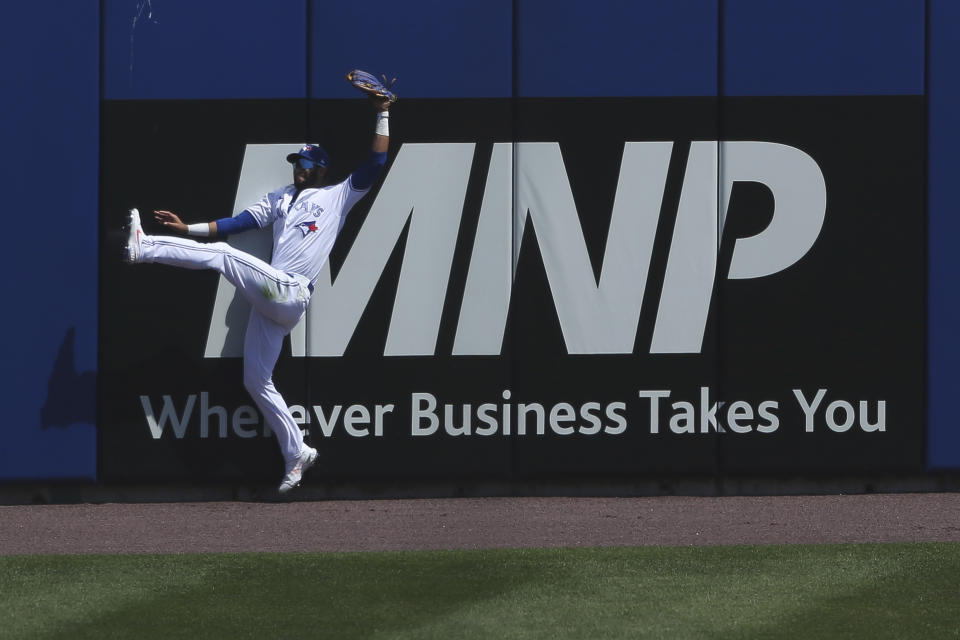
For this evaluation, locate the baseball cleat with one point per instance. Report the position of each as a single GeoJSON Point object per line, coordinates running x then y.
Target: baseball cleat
{"type": "Point", "coordinates": [308, 456]}
{"type": "Point", "coordinates": [134, 235]}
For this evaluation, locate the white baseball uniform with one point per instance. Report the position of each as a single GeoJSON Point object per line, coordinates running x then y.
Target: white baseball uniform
{"type": "Point", "coordinates": [304, 230]}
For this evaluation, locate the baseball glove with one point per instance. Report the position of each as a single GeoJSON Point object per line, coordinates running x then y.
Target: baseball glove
{"type": "Point", "coordinates": [370, 85]}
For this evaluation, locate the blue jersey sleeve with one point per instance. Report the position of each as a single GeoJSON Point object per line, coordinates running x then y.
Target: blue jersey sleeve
{"type": "Point", "coordinates": [241, 222]}
{"type": "Point", "coordinates": [364, 175]}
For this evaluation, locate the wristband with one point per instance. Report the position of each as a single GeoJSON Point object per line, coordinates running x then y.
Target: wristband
{"type": "Point", "coordinates": [199, 229]}
{"type": "Point", "coordinates": [383, 124]}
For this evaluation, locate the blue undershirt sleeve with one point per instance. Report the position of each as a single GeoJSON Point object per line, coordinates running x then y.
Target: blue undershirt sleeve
{"type": "Point", "coordinates": [366, 173]}
{"type": "Point", "coordinates": [241, 222]}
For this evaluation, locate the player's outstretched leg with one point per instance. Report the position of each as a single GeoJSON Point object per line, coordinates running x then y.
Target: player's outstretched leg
{"type": "Point", "coordinates": [278, 295]}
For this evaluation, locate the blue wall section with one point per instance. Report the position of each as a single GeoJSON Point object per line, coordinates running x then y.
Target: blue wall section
{"type": "Point", "coordinates": [211, 49]}
{"type": "Point", "coordinates": [50, 82]}
{"type": "Point", "coordinates": [943, 421]}
{"type": "Point", "coordinates": [617, 48]}
{"type": "Point", "coordinates": [434, 49]}
{"type": "Point", "coordinates": [823, 47]}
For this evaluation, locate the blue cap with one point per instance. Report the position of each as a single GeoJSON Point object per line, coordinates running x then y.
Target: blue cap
{"type": "Point", "coordinates": [312, 152]}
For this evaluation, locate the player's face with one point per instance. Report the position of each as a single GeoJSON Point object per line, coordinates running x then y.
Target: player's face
{"type": "Point", "coordinates": [306, 173]}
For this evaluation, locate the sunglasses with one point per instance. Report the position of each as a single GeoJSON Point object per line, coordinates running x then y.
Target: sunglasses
{"type": "Point", "coordinates": [303, 163]}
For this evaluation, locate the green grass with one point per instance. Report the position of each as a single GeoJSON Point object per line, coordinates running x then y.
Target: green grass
{"type": "Point", "coordinates": [825, 591]}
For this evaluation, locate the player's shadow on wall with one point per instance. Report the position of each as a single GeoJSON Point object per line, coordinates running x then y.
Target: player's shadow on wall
{"type": "Point", "coordinates": [71, 394]}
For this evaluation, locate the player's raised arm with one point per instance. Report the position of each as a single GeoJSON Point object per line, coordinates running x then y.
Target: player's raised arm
{"type": "Point", "coordinates": [381, 138]}
{"type": "Point", "coordinates": [382, 97]}
{"type": "Point", "coordinates": [363, 176]}
{"type": "Point", "coordinates": [222, 227]}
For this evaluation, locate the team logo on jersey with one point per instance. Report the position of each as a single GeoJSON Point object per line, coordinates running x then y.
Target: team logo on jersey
{"type": "Point", "coordinates": [307, 227]}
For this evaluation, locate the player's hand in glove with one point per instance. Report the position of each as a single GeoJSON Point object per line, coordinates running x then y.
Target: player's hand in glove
{"type": "Point", "coordinates": [381, 104]}
{"type": "Point", "coordinates": [170, 220]}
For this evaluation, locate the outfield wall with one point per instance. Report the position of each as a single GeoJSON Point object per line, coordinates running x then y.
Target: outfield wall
{"type": "Point", "coordinates": [632, 240]}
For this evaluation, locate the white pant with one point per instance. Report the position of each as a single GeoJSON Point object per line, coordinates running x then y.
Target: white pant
{"type": "Point", "coordinates": [279, 300]}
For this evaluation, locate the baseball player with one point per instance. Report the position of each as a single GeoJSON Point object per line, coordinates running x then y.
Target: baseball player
{"type": "Point", "coordinates": [306, 217]}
